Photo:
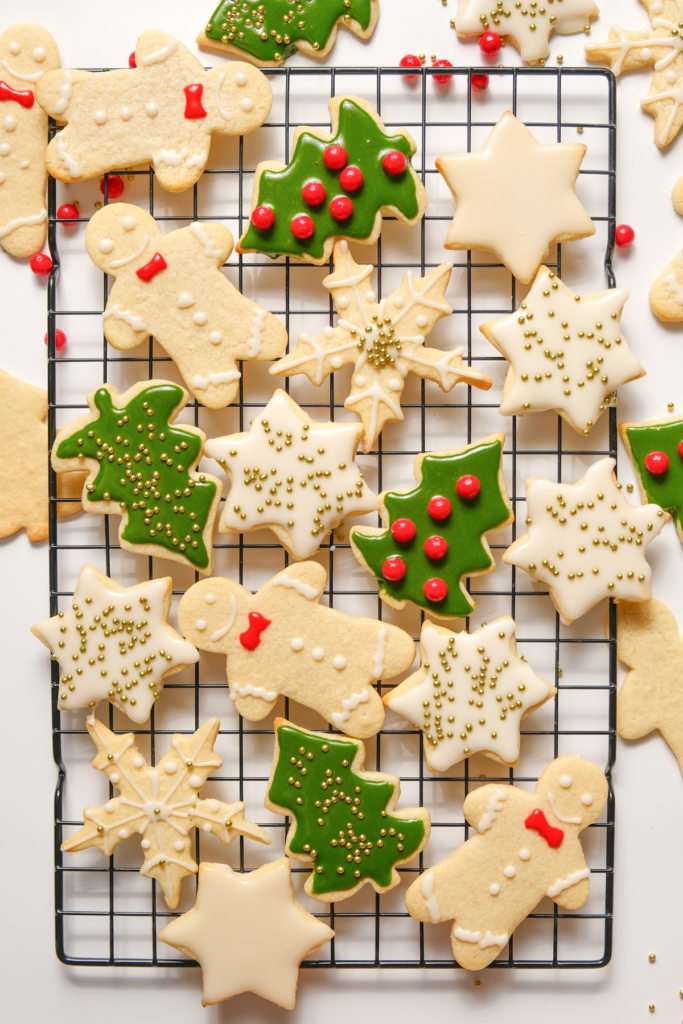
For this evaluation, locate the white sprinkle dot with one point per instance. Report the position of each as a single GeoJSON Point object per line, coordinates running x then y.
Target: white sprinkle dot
{"type": "Point", "coordinates": [370, 296]}
{"type": "Point", "coordinates": [195, 781]}
{"type": "Point", "coordinates": [247, 104]}
{"type": "Point", "coordinates": [421, 321]}
{"type": "Point", "coordinates": [297, 644]}
{"type": "Point", "coordinates": [128, 222]}
{"type": "Point", "coordinates": [210, 598]}
{"type": "Point", "coordinates": [339, 662]}
{"type": "Point", "coordinates": [14, 48]}
{"type": "Point", "coordinates": [240, 78]}
{"type": "Point", "coordinates": [343, 302]}
{"type": "Point", "coordinates": [23, 165]}
{"type": "Point", "coordinates": [206, 827]}
{"type": "Point", "coordinates": [200, 624]}
{"type": "Point", "coordinates": [114, 777]}
{"type": "Point", "coordinates": [2, 177]}
{"type": "Point", "coordinates": [39, 54]}
{"type": "Point", "coordinates": [524, 854]}
{"type": "Point", "coordinates": [317, 654]}
{"type": "Point", "coordinates": [178, 846]}
{"type": "Point", "coordinates": [105, 245]}
{"type": "Point", "coordinates": [9, 123]}
{"type": "Point", "coordinates": [336, 362]}
{"type": "Point", "coordinates": [145, 844]}
{"type": "Point", "coordinates": [646, 53]}
{"type": "Point", "coordinates": [109, 808]}
{"type": "Point", "coordinates": [138, 762]}
{"type": "Point", "coordinates": [125, 113]}
{"type": "Point", "coordinates": [509, 871]}
{"type": "Point", "coordinates": [151, 109]}
{"type": "Point", "coordinates": [565, 781]}
{"type": "Point", "coordinates": [100, 116]}
{"type": "Point", "coordinates": [4, 149]}
{"type": "Point", "coordinates": [670, 76]}
{"type": "Point", "coordinates": [170, 767]}
{"type": "Point", "coordinates": [215, 337]}
{"type": "Point", "coordinates": [395, 384]}
{"type": "Point", "coordinates": [328, 332]}
{"type": "Point", "coordinates": [214, 806]}
{"type": "Point", "coordinates": [360, 381]}
{"type": "Point", "coordinates": [586, 799]}
{"type": "Point", "coordinates": [200, 318]}
{"type": "Point", "coordinates": [123, 833]}
{"type": "Point", "coordinates": [494, 889]}
{"type": "Point", "coordinates": [185, 300]}
{"type": "Point", "coordinates": [398, 300]}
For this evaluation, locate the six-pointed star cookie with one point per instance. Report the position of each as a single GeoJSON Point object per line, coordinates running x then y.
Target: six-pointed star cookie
{"type": "Point", "coordinates": [292, 475]}
{"type": "Point", "coordinates": [528, 26]}
{"type": "Point", "coordinates": [566, 352]}
{"type": "Point", "coordinates": [586, 542]}
{"type": "Point", "coordinates": [515, 197]}
{"type": "Point", "coordinates": [248, 933]}
{"type": "Point", "coordinates": [115, 643]}
{"type": "Point", "coordinates": [470, 694]}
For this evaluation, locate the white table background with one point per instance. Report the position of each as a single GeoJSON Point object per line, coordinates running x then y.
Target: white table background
{"type": "Point", "coordinates": [649, 788]}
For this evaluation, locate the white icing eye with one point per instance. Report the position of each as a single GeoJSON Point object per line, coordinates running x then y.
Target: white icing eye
{"type": "Point", "coordinates": [317, 654]}
{"type": "Point", "coordinates": [138, 762]}
{"type": "Point", "coordinates": [128, 222]}
{"type": "Point", "coordinates": [125, 113]}
{"type": "Point", "coordinates": [105, 245]}
{"type": "Point", "coordinates": [524, 854]}
{"type": "Point", "coordinates": [215, 337]}
{"type": "Point", "coordinates": [200, 624]}
{"type": "Point", "coordinates": [123, 833]}
{"type": "Point", "coordinates": [297, 644]}
{"type": "Point", "coordinates": [360, 381]}
{"type": "Point", "coordinates": [339, 662]}
{"type": "Point", "coordinates": [39, 54]}
{"type": "Point", "coordinates": [185, 300]}
{"type": "Point", "coordinates": [4, 149]}
{"type": "Point", "coordinates": [210, 598]}
{"type": "Point", "coordinates": [100, 116]}
{"type": "Point", "coordinates": [246, 104]}
{"type": "Point", "coordinates": [151, 109]}
{"type": "Point", "coordinates": [395, 384]}
{"type": "Point", "coordinates": [200, 318]}
{"type": "Point", "coordinates": [214, 807]}
{"type": "Point", "coordinates": [586, 799]}
{"type": "Point", "coordinates": [170, 767]}
{"type": "Point", "coordinates": [509, 871]}
{"type": "Point", "coordinates": [370, 296]}
{"type": "Point", "coordinates": [240, 78]}
{"type": "Point", "coordinates": [195, 781]}
{"type": "Point", "coordinates": [494, 889]}
{"type": "Point", "coordinates": [565, 781]}
{"type": "Point", "coordinates": [2, 177]}
{"type": "Point", "coordinates": [14, 48]}
{"type": "Point", "coordinates": [114, 777]}
{"type": "Point", "coordinates": [343, 302]}
{"type": "Point", "coordinates": [328, 332]}
{"type": "Point", "coordinates": [109, 808]}
{"type": "Point", "coordinates": [178, 846]}
{"type": "Point", "coordinates": [145, 844]}
{"type": "Point", "coordinates": [9, 123]}
{"type": "Point", "coordinates": [421, 321]}
{"type": "Point", "coordinates": [336, 362]}
{"type": "Point", "coordinates": [206, 827]}
{"type": "Point", "coordinates": [398, 300]}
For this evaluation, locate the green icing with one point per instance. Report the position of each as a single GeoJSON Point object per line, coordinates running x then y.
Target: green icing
{"type": "Point", "coordinates": [339, 812]}
{"type": "Point", "coordinates": [366, 146]}
{"type": "Point", "coordinates": [279, 21]}
{"type": "Point", "coordinates": [665, 489]}
{"type": "Point", "coordinates": [144, 465]}
{"type": "Point", "coordinates": [469, 519]}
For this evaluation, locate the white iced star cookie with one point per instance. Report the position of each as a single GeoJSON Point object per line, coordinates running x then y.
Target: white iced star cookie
{"type": "Point", "coordinates": [384, 341]}
{"type": "Point", "coordinates": [586, 542]}
{"type": "Point", "coordinates": [527, 25]}
{"type": "Point", "coordinates": [292, 475]}
{"type": "Point", "coordinates": [114, 643]}
{"type": "Point", "coordinates": [566, 352]}
{"type": "Point", "coordinates": [470, 694]}
{"type": "Point", "coordinates": [248, 933]}
{"type": "Point", "coordinates": [515, 197]}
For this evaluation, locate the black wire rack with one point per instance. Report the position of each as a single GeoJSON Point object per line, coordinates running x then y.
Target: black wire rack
{"type": "Point", "coordinates": [108, 915]}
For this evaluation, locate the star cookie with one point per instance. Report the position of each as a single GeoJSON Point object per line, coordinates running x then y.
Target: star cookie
{"type": "Point", "coordinates": [528, 26]}
{"type": "Point", "coordinates": [656, 449]}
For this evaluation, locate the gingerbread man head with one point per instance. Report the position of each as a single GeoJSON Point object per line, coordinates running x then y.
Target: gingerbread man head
{"type": "Point", "coordinates": [575, 789]}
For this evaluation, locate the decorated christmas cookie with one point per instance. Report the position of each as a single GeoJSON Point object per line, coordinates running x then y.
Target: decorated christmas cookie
{"type": "Point", "coordinates": [662, 48]}
{"type": "Point", "coordinates": [291, 475]}
{"type": "Point", "coordinates": [171, 286]}
{"type": "Point", "coordinates": [585, 541]}
{"type": "Point", "coordinates": [335, 185]}
{"type": "Point", "coordinates": [656, 447]}
{"type": "Point", "coordinates": [384, 341]}
{"type": "Point", "coordinates": [161, 804]}
{"type": "Point", "coordinates": [536, 202]}
{"type": "Point", "coordinates": [434, 535]}
{"type": "Point", "coordinates": [527, 26]}
{"type": "Point", "coordinates": [143, 467]}
{"type": "Point", "coordinates": [26, 53]}
{"type": "Point", "coordinates": [528, 847]}
{"type": "Point", "coordinates": [281, 640]}
{"type": "Point", "coordinates": [278, 28]}
{"type": "Point", "coordinates": [566, 352]}
{"type": "Point", "coordinates": [248, 932]}
{"type": "Point", "coordinates": [470, 694]}
{"type": "Point", "coordinates": [114, 643]}
{"type": "Point", "coordinates": [345, 822]}
{"type": "Point", "coordinates": [164, 111]}
{"type": "Point", "coordinates": [666, 294]}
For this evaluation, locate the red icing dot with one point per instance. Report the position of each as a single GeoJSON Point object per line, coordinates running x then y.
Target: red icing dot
{"type": "Point", "coordinates": [341, 208]}
{"type": "Point", "coordinates": [439, 508]}
{"type": "Point", "coordinates": [468, 487]}
{"type": "Point", "coordinates": [67, 212]}
{"type": "Point", "coordinates": [680, 447]}
{"type": "Point", "coordinates": [410, 60]}
{"type": "Point", "coordinates": [394, 162]}
{"type": "Point", "coordinates": [351, 178]}
{"type": "Point", "coordinates": [302, 226]}
{"type": "Point", "coordinates": [334, 158]}
{"type": "Point", "coordinates": [435, 589]}
{"type": "Point", "coordinates": [314, 193]}
{"type": "Point", "coordinates": [263, 218]}
{"type": "Point", "coordinates": [60, 339]}
{"type": "Point", "coordinates": [624, 235]}
{"type": "Point", "coordinates": [657, 462]}
{"type": "Point", "coordinates": [394, 569]}
{"type": "Point", "coordinates": [131, 60]}
{"type": "Point", "coordinates": [480, 82]}
{"type": "Point", "coordinates": [115, 188]}
{"type": "Point", "coordinates": [442, 79]}
{"type": "Point", "coordinates": [404, 529]}
{"type": "Point", "coordinates": [490, 43]}
{"type": "Point", "coordinates": [41, 264]}
{"type": "Point", "coordinates": [436, 547]}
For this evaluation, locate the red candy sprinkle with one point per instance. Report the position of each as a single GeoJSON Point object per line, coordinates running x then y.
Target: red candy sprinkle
{"type": "Point", "coordinates": [314, 193]}
{"type": "Point", "coordinates": [131, 60]}
{"type": "Point", "coordinates": [334, 158]}
{"type": "Point", "coordinates": [262, 218]}
{"type": "Point", "coordinates": [394, 162]}
{"type": "Point", "coordinates": [115, 186]}
{"type": "Point", "coordinates": [410, 61]}
{"type": "Point", "coordinates": [41, 264]}
{"type": "Point", "coordinates": [480, 82]}
{"type": "Point", "coordinates": [624, 236]}
{"type": "Point", "coordinates": [302, 226]}
{"type": "Point", "coordinates": [468, 487]}
{"type": "Point", "coordinates": [394, 569]}
{"type": "Point", "coordinates": [403, 530]}
{"type": "Point", "coordinates": [435, 589]}
{"type": "Point", "coordinates": [60, 339]}
{"type": "Point", "coordinates": [67, 212]}
{"type": "Point", "coordinates": [436, 547]}
{"type": "Point", "coordinates": [490, 43]}
{"type": "Point", "coordinates": [680, 447]}
{"type": "Point", "coordinates": [442, 79]}
{"type": "Point", "coordinates": [351, 178]}
{"type": "Point", "coordinates": [439, 508]}
{"type": "Point", "coordinates": [341, 208]}
{"type": "Point", "coordinates": [657, 462]}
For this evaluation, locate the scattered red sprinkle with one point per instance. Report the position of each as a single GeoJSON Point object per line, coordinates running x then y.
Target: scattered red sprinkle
{"type": "Point", "coordinates": [131, 60]}
{"type": "Point", "coordinates": [490, 43]}
{"type": "Point", "coordinates": [403, 530]}
{"type": "Point", "coordinates": [480, 82]}
{"type": "Point", "coordinates": [680, 447]}
{"type": "Point", "coordinates": [442, 79]}
{"type": "Point", "coordinates": [302, 226]}
{"type": "Point", "coordinates": [394, 569]}
{"type": "Point", "coordinates": [624, 236]}
{"type": "Point", "coordinates": [314, 193]}
{"type": "Point", "coordinates": [262, 218]}
{"type": "Point", "coordinates": [394, 162]}
{"type": "Point", "coordinates": [436, 547]}
{"type": "Point", "coordinates": [41, 264]}
{"type": "Point", "coordinates": [67, 212]}
{"type": "Point", "coordinates": [435, 589]}
{"type": "Point", "coordinates": [60, 339]}
{"type": "Point", "coordinates": [468, 487]}
{"type": "Point", "coordinates": [439, 508]}
{"type": "Point", "coordinates": [657, 462]}
{"type": "Point", "coordinates": [115, 186]}
{"type": "Point", "coordinates": [410, 60]}
{"type": "Point", "coordinates": [334, 158]}
{"type": "Point", "coordinates": [351, 178]}
{"type": "Point", "coordinates": [341, 208]}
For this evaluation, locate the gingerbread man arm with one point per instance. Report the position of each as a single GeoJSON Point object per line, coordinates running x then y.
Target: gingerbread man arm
{"type": "Point", "coordinates": [483, 805]}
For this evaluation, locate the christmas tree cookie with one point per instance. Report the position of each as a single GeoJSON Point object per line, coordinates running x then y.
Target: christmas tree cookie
{"type": "Point", "coordinates": [276, 29]}
{"type": "Point", "coordinates": [144, 468]}
{"type": "Point", "coordinates": [384, 341]}
{"type": "Point", "coordinates": [345, 822]}
{"type": "Point", "coordinates": [434, 534]}
{"type": "Point", "coordinates": [656, 447]}
{"type": "Point", "coordinates": [291, 475]}
{"type": "Point", "coordinates": [529, 27]}
{"type": "Point", "coordinates": [336, 185]}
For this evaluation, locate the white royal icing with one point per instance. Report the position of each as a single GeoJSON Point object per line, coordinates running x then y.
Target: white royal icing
{"type": "Point", "coordinates": [129, 318]}
{"type": "Point", "coordinates": [253, 691]}
{"type": "Point", "coordinates": [483, 941]}
{"type": "Point", "coordinates": [348, 706]}
{"type": "Point", "coordinates": [20, 222]}
{"type": "Point", "coordinates": [65, 91]}
{"type": "Point", "coordinates": [530, 26]}
{"type": "Point", "coordinates": [494, 806]}
{"type": "Point", "coordinates": [561, 817]}
{"type": "Point", "coordinates": [255, 342]}
{"type": "Point", "coordinates": [129, 259]}
{"type": "Point", "coordinates": [204, 238]}
{"type": "Point", "coordinates": [378, 659]}
{"type": "Point", "coordinates": [431, 902]}
{"type": "Point", "coordinates": [565, 883]}
{"type": "Point", "coordinates": [72, 165]}
{"type": "Point", "coordinates": [220, 633]}
{"type": "Point", "coordinates": [674, 288]}
{"type": "Point", "coordinates": [159, 55]}
{"type": "Point", "coordinates": [202, 383]}
{"type": "Point", "coordinates": [24, 78]}
{"type": "Point", "coordinates": [185, 300]}
{"type": "Point", "coordinates": [305, 589]}
{"type": "Point", "coordinates": [339, 662]}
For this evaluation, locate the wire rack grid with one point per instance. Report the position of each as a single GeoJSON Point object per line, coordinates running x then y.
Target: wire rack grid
{"type": "Point", "coordinates": [106, 914]}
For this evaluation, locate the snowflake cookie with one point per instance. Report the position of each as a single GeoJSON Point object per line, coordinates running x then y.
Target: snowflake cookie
{"type": "Point", "coordinates": [115, 643]}
{"type": "Point", "coordinates": [345, 822]}
{"type": "Point", "coordinates": [528, 26]}
{"type": "Point", "coordinates": [470, 695]}
{"type": "Point", "coordinates": [164, 111]}
{"type": "Point", "coordinates": [586, 542]}
{"type": "Point", "coordinates": [656, 447]}
{"type": "Point", "coordinates": [384, 341]}
{"type": "Point", "coordinates": [536, 205]}
{"type": "Point", "coordinates": [291, 475]}
{"type": "Point", "coordinates": [528, 847]}
{"type": "Point", "coordinates": [248, 932]}
{"type": "Point", "coordinates": [171, 286]}
{"type": "Point", "coordinates": [161, 804]}
{"type": "Point", "coordinates": [566, 352]}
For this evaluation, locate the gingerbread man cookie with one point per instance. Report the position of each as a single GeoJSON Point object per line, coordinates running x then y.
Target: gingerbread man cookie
{"type": "Point", "coordinates": [528, 847]}
{"type": "Point", "coordinates": [164, 112]}
{"type": "Point", "coordinates": [171, 286]}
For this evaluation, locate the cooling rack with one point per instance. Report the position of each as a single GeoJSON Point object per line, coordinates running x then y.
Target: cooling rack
{"type": "Point", "coordinates": [106, 913]}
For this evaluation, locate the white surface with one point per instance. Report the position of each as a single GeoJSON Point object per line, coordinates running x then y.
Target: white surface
{"type": "Point", "coordinates": [648, 897]}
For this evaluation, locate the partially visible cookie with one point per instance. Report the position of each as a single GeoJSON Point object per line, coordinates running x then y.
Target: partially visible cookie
{"type": "Point", "coordinates": [655, 448]}
{"type": "Point", "coordinates": [666, 294]}
{"type": "Point", "coordinates": [528, 27]}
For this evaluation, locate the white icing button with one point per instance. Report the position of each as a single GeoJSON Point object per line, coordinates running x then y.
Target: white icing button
{"type": "Point", "coordinates": [509, 871]}
{"type": "Point", "coordinates": [14, 48]}
{"type": "Point", "coordinates": [2, 177]}
{"type": "Point", "coordinates": [317, 654]}
{"type": "Point", "coordinates": [360, 381]}
{"type": "Point", "coordinates": [128, 222]}
{"type": "Point", "coordinates": [339, 662]}
{"type": "Point", "coordinates": [105, 245]}
{"type": "Point", "coordinates": [114, 777]}
{"type": "Point", "coordinates": [565, 781]}
{"type": "Point", "coordinates": [215, 337]}
{"type": "Point", "coordinates": [151, 109]}
{"type": "Point", "coordinates": [145, 844]}
{"type": "Point", "coordinates": [125, 113]}
{"type": "Point", "coordinates": [328, 332]}
{"type": "Point", "coordinates": [170, 767]}
{"type": "Point", "coordinates": [200, 318]}
{"type": "Point", "coordinates": [586, 799]}
{"type": "Point", "coordinates": [336, 361]}
{"type": "Point", "coordinates": [138, 762]}
{"type": "Point", "coordinates": [123, 833]}
{"type": "Point", "coordinates": [39, 54]}
{"type": "Point", "coordinates": [109, 808]}
{"type": "Point", "coordinates": [646, 53]}
{"type": "Point", "coordinates": [342, 303]}
{"type": "Point", "coordinates": [370, 296]}
{"type": "Point", "coordinates": [200, 624]}
{"type": "Point", "coordinates": [395, 384]}
{"type": "Point", "coordinates": [214, 806]}
{"type": "Point", "coordinates": [195, 781]}
{"type": "Point", "coordinates": [670, 76]}
{"type": "Point", "coordinates": [185, 300]}
{"type": "Point", "coordinates": [246, 104]}
{"type": "Point", "coordinates": [421, 321]}
{"type": "Point", "coordinates": [178, 846]}
{"type": "Point", "coordinates": [99, 117]}
{"type": "Point", "coordinates": [494, 889]}
{"type": "Point", "coordinates": [9, 123]}
{"type": "Point", "coordinates": [524, 854]}
{"type": "Point", "coordinates": [210, 598]}
{"type": "Point", "coordinates": [297, 644]}
{"type": "Point", "coordinates": [657, 7]}
{"type": "Point", "coordinates": [398, 300]}
{"type": "Point", "coordinates": [23, 165]}
{"type": "Point", "coordinates": [206, 827]}
{"type": "Point", "coordinates": [4, 149]}
{"type": "Point", "coordinates": [240, 78]}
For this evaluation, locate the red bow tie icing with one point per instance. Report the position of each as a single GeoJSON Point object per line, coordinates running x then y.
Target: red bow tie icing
{"type": "Point", "coordinates": [151, 269]}
{"type": "Point", "coordinates": [251, 637]}
{"type": "Point", "coordinates": [539, 823]}
{"type": "Point", "coordinates": [23, 96]}
{"type": "Point", "coordinates": [193, 102]}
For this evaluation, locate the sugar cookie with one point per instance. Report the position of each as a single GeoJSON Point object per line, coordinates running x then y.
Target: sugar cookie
{"type": "Point", "coordinates": [666, 294]}
{"type": "Point", "coordinates": [655, 447]}
{"type": "Point", "coordinates": [528, 28]}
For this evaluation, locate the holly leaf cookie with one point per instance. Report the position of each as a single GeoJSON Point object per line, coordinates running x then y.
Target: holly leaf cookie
{"type": "Point", "coordinates": [470, 694]}
{"type": "Point", "coordinates": [384, 341]}
{"type": "Point", "coordinates": [291, 475]}
{"type": "Point", "coordinates": [586, 542]}
{"type": "Point", "coordinates": [434, 535]}
{"type": "Point", "coordinates": [529, 28]}
{"type": "Point", "coordinates": [656, 448]}
{"type": "Point", "coordinates": [164, 111]}
{"type": "Point", "coordinates": [566, 352]}
{"type": "Point", "coordinates": [143, 467]}
{"type": "Point", "coordinates": [536, 203]}
{"type": "Point", "coordinates": [336, 185]}
{"type": "Point", "coordinates": [171, 286]}
{"type": "Point", "coordinates": [527, 847]}
{"type": "Point", "coordinates": [161, 804]}
{"type": "Point", "coordinates": [345, 821]}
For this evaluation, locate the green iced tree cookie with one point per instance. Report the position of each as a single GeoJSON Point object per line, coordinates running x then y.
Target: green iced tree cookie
{"type": "Point", "coordinates": [344, 818]}
{"type": "Point", "coordinates": [656, 448]}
